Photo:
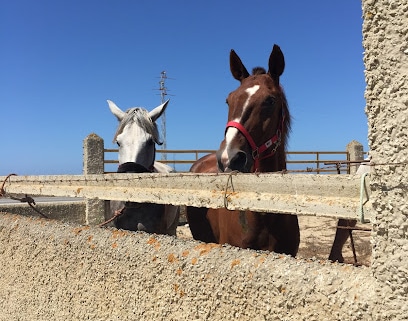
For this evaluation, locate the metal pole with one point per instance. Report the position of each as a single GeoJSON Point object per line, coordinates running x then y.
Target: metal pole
{"type": "Point", "coordinates": [163, 94]}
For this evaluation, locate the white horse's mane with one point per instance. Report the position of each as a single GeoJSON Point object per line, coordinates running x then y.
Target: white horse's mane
{"type": "Point", "coordinates": [141, 117]}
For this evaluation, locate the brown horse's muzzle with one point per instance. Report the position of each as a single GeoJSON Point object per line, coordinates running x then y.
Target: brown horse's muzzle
{"type": "Point", "coordinates": [235, 161]}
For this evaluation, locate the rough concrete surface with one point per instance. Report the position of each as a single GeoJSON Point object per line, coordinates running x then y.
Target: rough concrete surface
{"type": "Point", "coordinates": [56, 271]}
{"type": "Point", "coordinates": [385, 41]}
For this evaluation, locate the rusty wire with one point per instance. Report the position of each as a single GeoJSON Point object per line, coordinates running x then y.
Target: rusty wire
{"type": "Point", "coordinates": [116, 214]}
{"type": "Point", "coordinates": [341, 164]}
{"type": "Point", "coordinates": [26, 199]}
{"type": "Point", "coordinates": [2, 191]}
{"type": "Point", "coordinates": [227, 185]}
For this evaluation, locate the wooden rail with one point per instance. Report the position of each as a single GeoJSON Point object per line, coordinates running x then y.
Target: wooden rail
{"type": "Point", "coordinates": [310, 161]}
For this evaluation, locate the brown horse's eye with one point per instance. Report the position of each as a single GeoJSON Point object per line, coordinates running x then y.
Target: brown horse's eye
{"type": "Point", "coordinates": [268, 107]}
{"type": "Point", "coordinates": [270, 101]}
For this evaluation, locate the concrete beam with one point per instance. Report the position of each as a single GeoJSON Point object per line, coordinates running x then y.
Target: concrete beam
{"type": "Point", "coordinates": [335, 196]}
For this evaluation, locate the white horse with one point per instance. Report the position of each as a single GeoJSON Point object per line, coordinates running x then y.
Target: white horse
{"type": "Point", "coordinates": [136, 137]}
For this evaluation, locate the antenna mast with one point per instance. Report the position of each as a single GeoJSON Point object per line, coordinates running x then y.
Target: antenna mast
{"type": "Point", "coordinates": [163, 94]}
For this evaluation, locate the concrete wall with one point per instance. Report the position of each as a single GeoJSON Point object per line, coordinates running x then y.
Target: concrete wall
{"type": "Point", "coordinates": [56, 271]}
{"type": "Point", "coordinates": [73, 212]}
{"type": "Point", "coordinates": [386, 60]}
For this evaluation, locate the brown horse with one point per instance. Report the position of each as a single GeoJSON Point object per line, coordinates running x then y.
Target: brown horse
{"type": "Point", "coordinates": [341, 236]}
{"type": "Point", "coordinates": [255, 140]}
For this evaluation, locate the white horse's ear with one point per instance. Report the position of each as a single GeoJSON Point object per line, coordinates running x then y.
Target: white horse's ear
{"type": "Point", "coordinates": [116, 110]}
{"type": "Point", "coordinates": [158, 111]}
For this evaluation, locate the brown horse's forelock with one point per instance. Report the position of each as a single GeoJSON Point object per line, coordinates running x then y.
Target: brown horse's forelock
{"type": "Point", "coordinates": [258, 71]}
{"type": "Point", "coordinates": [142, 118]}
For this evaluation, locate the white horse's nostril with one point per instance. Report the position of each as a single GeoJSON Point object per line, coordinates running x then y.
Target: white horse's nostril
{"type": "Point", "coordinates": [141, 227]}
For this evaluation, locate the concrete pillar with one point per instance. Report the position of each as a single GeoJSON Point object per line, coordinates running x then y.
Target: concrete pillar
{"type": "Point", "coordinates": [93, 157]}
{"type": "Point", "coordinates": [385, 42]}
{"type": "Point", "coordinates": [356, 153]}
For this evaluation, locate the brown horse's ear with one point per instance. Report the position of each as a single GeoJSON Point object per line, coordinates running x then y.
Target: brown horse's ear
{"type": "Point", "coordinates": [238, 69]}
{"type": "Point", "coordinates": [276, 63]}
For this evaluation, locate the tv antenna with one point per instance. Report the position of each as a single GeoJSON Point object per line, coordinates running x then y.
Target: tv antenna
{"type": "Point", "coordinates": [163, 94]}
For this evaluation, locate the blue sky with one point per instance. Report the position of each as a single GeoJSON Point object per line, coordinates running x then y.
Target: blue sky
{"type": "Point", "coordinates": [61, 60]}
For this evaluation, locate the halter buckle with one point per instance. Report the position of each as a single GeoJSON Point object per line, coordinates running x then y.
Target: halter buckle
{"type": "Point", "coordinates": [278, 141]}
{"type": "Point", "coordinates": [255, 153]}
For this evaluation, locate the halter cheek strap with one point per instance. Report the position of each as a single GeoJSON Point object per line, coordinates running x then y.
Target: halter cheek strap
{"type": "Point", "coordinates": [257, 151]}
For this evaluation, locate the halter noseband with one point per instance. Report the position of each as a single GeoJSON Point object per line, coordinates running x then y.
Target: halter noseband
{"type": "Point", "coordinates": [131, 167]}
{"type": "Point", "coordinates": [273, 142]}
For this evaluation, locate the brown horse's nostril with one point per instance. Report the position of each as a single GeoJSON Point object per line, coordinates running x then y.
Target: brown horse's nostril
{"type": "Point", "coordinates": [238, 162]}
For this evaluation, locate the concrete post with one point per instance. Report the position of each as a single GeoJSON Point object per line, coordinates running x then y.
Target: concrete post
{"type": "Point", "coordinates": [386, 60]}
{"type": "Point", "coordinates": [356, 153]}
{"type": "Point", "coordinates": [93, 157]}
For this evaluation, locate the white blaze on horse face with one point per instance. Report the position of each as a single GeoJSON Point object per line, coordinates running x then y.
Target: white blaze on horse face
{"type": "Point", "coordinates": [231, 132]}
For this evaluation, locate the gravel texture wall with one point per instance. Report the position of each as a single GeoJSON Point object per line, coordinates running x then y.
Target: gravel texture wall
{"type": "Point", "coordinates": [56, 271]}
{"type": "Point", "coordinates": [385, 39]}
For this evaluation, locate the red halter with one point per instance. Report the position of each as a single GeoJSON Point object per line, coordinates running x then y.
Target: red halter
{"type": "Point", "coordinates": [273, 142]}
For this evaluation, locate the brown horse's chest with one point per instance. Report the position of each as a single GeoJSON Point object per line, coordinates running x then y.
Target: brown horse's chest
{"type": "Point", "coordinates": [244, 229]}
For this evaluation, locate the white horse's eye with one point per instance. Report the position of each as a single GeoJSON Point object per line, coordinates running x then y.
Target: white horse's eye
{"type": "Point", "coordinates": [117, 143]}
